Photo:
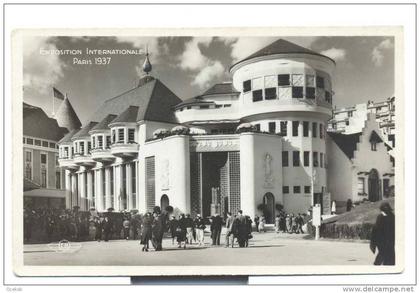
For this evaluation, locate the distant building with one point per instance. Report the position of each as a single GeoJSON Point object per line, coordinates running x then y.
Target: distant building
{"type": "Point", "coordinates": [43, 178]}
{"type": "Point", "coordinates": [351, 119]}
{"type": "Point", "coordinates": [359, 166]}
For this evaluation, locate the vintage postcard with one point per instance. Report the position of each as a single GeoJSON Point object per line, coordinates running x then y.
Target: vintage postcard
{"type": "Point", "coordinates": [208, 151]}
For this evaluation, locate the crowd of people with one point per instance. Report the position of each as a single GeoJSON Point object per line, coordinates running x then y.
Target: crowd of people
{"type": "Point", "coordinates": [286, 223]}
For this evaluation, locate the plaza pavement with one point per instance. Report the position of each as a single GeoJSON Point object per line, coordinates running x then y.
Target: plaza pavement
{"type": "Point", "coordinates": [264, 249]}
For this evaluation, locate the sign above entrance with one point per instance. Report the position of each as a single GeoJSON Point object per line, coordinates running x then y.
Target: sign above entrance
{"type": "Point", "coordinates": [214, 145]}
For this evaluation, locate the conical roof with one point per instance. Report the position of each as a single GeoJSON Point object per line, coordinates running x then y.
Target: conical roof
{"type": "Point", "coordinates": [282, 47]}
{"type": "Point", "coordinates": [129, 115]}
{"type": "Point", "coordinates": [66, 116]}
{"type": "Point", "coordinates": [103, 125]}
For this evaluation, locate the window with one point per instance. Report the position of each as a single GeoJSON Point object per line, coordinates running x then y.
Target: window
{"type": "Point", "coordinates": [306, 159]}
{"type": "Point", "coordinates": [100, 141]}
{"type": "Point", "coordinates": [320, 82]}
{"type": "Point", "coordinates": [328, 97]}
{"type": "Point", "coordinates": [310, 93]}
{"type": "Point", "coordinates": [321, 131]}
{"type": "Point", "coordinates": [285, 158]}
{"type": "Point", "coordinates": [257, 127]}
{"type": "Point", "coordinates": [56, 161]}
{"type": "Point", "coordinates": [45, 144]}
{"type": "Point", "coordinates": [43, 158]}
{"type": "Point", "coordinates": [113, 136]}
{"type": "Point", "coordinates": [295, 128]}
{"type": "Point", "coordinates": [121, 135]}
{"type": "Point", "coordinates": [272, 127]}
{"type": "Point", "coordinates": [297, 92]}
{"type": "Point", "coordinates": [283, 128]}
{"type": "Point", "coordinates": [347, 123]}
{"type": "Point", "coordinates": [305, 128]}
{"type": "Point", "coordinates": [350, 114]}
{"type": "Point", "coordinates": [44, 170]}
{"type": "Point", "coordinates": [89, 146]}
{"type": "Point", "coordinates": [321, 160]}
{"type": "Point", "coordinates": [108, 141]}
{"type": "Point", "coordinates": [257, 95]}
{"type": "Point", "coordinates": [131, 134]}
{"type": "Point", "coordinates": [285, 189]}
{"type": "Point", "coordinates": [205, 107]}
{"type": "Point", "coordinates": [270, 93]}
{"type": "Point", "coordinates": [81, 147]}
{"type": "Point", "coordinates": [246, 86]}
{"type": "Point", "coordinates": [296, 159]}
{"type": "Point", "coordinates": [307, 189]}
{"type": "Point", "coordinates": [314, 129]}
{"type": "Point", "coordinates": [52, 145]}
{"type": "Point", "coordinates": [361, 185]}
{"type": "Point", "coordinates": [58, 180]}
{"type": "Point", "coordinates": [37, 142]}
{"type": "Point", "coordinates": [296, 189]}
{"type": "Point", "coordinates": [283, 79]}
{"type": "Point", "coordinates": [373, 146]}
{"type": "Point", "coordinates": [29, 141]}
{"type": "Point", "coordinates": [386, 187]}
{"type": "Point", "coordinates": [28, 165]}
{"type": "Point", "coordinates": [315, 158]}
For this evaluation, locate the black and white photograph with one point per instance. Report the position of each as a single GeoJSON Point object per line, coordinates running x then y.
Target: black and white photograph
{"type": "Point", "coordinates": [236, 154]}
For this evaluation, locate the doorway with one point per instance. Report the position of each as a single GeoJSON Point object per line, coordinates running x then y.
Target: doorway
{"type": "Point", "coordinates": [269, 208]}
{"type": "Point", "coordinates": [164, 202]}
{"type": "Point", "coordinates": [373, 185]}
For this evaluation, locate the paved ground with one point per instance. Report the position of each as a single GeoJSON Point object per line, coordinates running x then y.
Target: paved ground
{"type": "Point", "coordinates": [265, 249]}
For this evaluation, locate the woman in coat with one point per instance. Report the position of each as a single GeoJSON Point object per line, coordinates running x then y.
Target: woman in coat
{"type": "Point", "coordinates": [146, 232]}
{"type": "Point", "coordinates": [181, 231]}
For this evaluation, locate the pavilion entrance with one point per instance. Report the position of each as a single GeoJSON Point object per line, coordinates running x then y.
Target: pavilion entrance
{"type": "Point", "coordinates": [215, 183]}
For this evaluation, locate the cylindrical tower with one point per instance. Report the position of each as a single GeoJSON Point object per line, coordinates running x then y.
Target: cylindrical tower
{"type": "Point", "coordinates": [286, 89]}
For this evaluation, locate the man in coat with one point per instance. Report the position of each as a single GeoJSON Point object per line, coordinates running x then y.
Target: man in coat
{"type": "Point", "coordinates": [200, 226]}
{"type": "Point", "coordinates": [107, 227]}
{"type": "Point", "coordinates": [216, 229]}
{"type": "Point", "coordinates": [241, 230]}
{"type": "Point", "coordinates": [383, 236]}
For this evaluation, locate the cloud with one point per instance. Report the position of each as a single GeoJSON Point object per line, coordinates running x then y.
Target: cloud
{"type": "Point", "coordinates": [41, 72]}
{"type": "Point", "coordinates": [243, 47]}
{"type": "Point", "coordinates": [192, 58]}
{"type": "Point", "coordinates": [378, 52]}
{"type": "Point", "coordinates": [214, 70]}
{"type": "Point", "coordinates": [334, 53]}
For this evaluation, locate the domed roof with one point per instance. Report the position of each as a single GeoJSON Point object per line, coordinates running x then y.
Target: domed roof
{"type": "Point", "coordinates": [66, 116]}
{"type": "Point", "coordinates": [147, 66]}
{"type": "Point", "coordinates": [281, 47]}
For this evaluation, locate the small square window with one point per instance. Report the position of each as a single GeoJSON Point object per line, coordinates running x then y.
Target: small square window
{"type": "Point", "coordinates": [37, 142]}
{"type": "Point", "coordinates": [246, 86]}
{"type": "Point", "coordinates": [307, 189]}
{"type": "Point", "coordinates": [257, 127]}
{"type": "Point", "coordinates": [45, 144]}
{"type": "Point", "coordinates": [283, 79]}
{"type": "Point", "coordinates": [296, 189]}
{"type": "Point", "coordinates": [29, 141]}
{"type": "Point", "coordinates": [310, 93]}
{"type": "Point", "coordinates": [270, 93]}
{"type": "Point", "coordinates": [285, 189]}
{"type": "Point", "coordinates": [257, 95]}
{"type": "Point", "coordinates": [297, 92]}
{"type": "Point", "coordinates": [43, 158]}
{"type": "Point", "coordinates": [320, 82]}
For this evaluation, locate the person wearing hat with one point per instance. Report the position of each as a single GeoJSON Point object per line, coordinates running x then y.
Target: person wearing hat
{"type": "Point", "coordinates": [383, 236]}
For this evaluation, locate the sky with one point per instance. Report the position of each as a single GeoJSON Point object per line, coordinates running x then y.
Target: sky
{"type": "Point", "coordinates": [190, 65]}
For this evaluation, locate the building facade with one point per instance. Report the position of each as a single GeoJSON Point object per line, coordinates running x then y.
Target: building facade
{"type": "Point", "coordinates": [259, 140]}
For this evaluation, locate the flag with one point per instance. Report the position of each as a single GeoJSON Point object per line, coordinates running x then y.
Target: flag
{"type": "Point", "coordinates": [58, 94]}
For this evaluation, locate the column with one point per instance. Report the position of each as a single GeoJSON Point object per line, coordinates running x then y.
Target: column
{"type": "Point", "coordinates": [137, 206]}
{"type": "Point", "coordinates": [128, 186]}
{"type": "Point", "coordinates": [99, 192]}
{"type": "Point", "coordinates": [247, 154]}
{"type": "Point", "coordinates": [82, 185]}
{"type": "Point", "coordinates": [108, 192]}
{"type": "Point", "coordinates": [67, 186]}
{"type": "Point", "coordinates": [89, 190]}
{"type": "Point", "coordinates": [117, 188]}
{"type": "Point", "coordinates": [73, 190]}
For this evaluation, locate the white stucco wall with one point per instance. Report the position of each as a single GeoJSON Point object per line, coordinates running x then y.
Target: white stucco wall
{"type": "Point", "coordinates": [253, 150]}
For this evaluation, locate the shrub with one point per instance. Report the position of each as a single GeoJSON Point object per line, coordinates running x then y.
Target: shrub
{"type": "Point", "coordinates": [343, 231]}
